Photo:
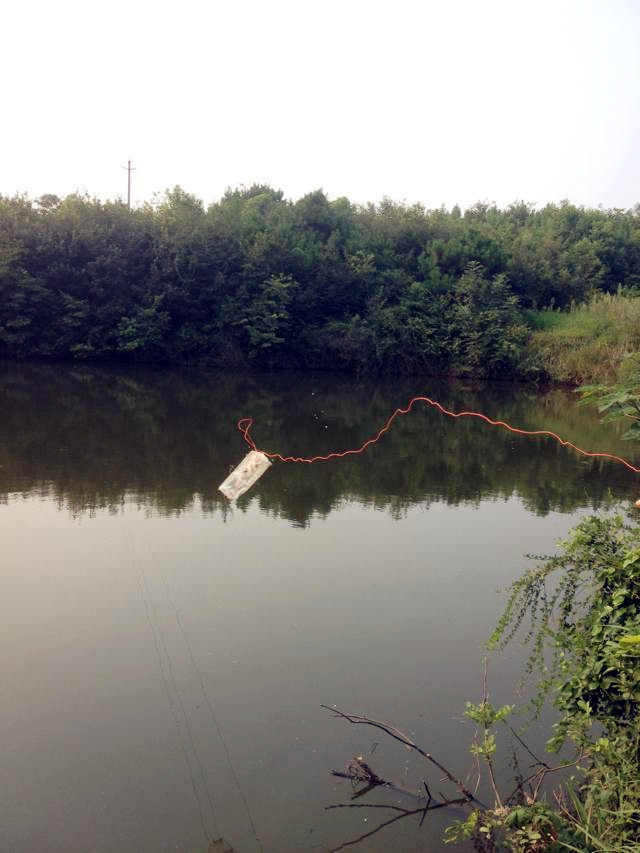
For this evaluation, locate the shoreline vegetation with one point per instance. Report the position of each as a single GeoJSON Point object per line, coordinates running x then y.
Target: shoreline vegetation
{"type": "Point", "coordinates": [257, 281]}
{"type": "Point", "coordinates": [578, 614]}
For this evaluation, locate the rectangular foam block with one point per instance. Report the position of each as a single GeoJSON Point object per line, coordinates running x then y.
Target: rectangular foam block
{"type": "Point", "coordinates": [244, 475]}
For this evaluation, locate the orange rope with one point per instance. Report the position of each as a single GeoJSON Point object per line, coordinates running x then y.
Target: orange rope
{"type": "Point", "coordinates": [245, 424]}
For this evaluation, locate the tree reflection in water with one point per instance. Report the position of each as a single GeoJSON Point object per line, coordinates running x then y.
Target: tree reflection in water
{"type": "Point", "coordinates": [95, 436]}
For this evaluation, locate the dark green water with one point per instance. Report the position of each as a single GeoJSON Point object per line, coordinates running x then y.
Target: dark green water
{"type": "Point", "coordinates": [165, 655]}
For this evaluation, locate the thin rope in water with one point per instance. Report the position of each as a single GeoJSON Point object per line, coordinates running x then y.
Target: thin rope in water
{"type": "Point", "coordinates": [245, 424]}
{"type": "Point", "coordinates": [207, 700]}
{"type": "Point", "coordinates": [185, 737]}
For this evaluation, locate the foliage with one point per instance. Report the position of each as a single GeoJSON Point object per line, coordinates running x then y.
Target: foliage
{"type": "Point", "coordinates": [619, 402]}
{"type": "Point", "coordinates": [256, 278]}
{"type": "Point", "coordinates": [522, 822]}
{"type": "Point", "coordinates": [583, 614]}
{"type": "Point", "coordinates": [590, 342]}
{"type": "Point", "coordinates": [525, 828]}
{"type": "Point", "coordinates": [487, 328]}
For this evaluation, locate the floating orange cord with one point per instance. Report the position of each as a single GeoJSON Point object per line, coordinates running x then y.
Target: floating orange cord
{"type": "Point", "coordinates": [245, 424]}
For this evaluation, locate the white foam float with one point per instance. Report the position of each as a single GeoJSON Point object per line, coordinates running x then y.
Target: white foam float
{"type": "Point", "coordinates": [244, 475]}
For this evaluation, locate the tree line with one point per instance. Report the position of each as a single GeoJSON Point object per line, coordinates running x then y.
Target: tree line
{"type": "Point", "coordinates": [257, 280]}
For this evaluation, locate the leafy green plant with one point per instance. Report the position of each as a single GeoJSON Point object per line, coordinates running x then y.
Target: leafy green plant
{"type": "Point", "coordinates": [526, 828]}
{"type": "Point", "coordinates": [620, 402]}
{"type": "Point", "coordinates": [581, 610]}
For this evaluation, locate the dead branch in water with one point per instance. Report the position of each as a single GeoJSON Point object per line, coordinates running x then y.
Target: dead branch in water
{"type": "Point", "coordinates": [403, 814]}
{"type": "Point", "coordinates": [396, 734]}
{"type": "Point", "coordinates": [359, 771]}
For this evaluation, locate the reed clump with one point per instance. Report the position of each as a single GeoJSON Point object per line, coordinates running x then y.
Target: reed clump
{"type": "Point", "coordinates": [589, 342]}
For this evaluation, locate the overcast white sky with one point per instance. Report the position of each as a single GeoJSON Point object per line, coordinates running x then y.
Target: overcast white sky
{"type": "Point", "coordinates": [442, 102]}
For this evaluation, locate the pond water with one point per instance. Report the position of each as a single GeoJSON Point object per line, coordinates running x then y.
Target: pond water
{"type": "Point", "coordinates": [165, 654]}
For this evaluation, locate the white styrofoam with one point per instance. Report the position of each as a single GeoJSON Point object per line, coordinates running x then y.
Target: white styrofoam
{"type": "Point", "coordinates": [245, 475]}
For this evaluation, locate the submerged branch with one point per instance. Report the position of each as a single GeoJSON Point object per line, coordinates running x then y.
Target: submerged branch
{"type": "Point", "coordinates": [403, 813]}
{"type": "Point", "coordinates": [359, 771]}
{"type": "Point", "coordinates": [356, 719]}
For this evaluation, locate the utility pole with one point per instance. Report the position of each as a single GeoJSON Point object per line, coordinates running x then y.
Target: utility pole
{"type": "Point", "coordinates": [129, 169]}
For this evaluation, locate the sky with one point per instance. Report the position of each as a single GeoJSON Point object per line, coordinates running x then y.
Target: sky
{"type": "Point", "coordinates": [438, 102]}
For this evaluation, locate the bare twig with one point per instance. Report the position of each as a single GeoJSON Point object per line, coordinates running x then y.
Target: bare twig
{"type": "Point", "coordinates": [370, 833]}
{"type": "Point", "coordinates": [485, 699]}
{"type": "Point", "coordinates": [457, 801]}
{"type": "Point", "coordinates": [536, 779]}
{"type": "Point", "coordinates": [375, 782]}
{"type": "Point", "coordinates": [427, 804]}
{"type": "Point", "coordinates": [356, 719]}
{"type": "Point", "coordinates": [485, 672]}
{"type": "Point", "coordinates": [403, 813]}
{"type": "Point", "coordinates": [492, 780]}
{"type": "Point", "coordinates": [369, 787]}
{"type": "Point", "coordinates": [348, 774]}
{"type": "Point", "coordinates": [523, 744]}
{"type": "Point", "coordinates": [561, 801]}
{"type": "Point", "coordinates": [354, 774]}
{"type": "Point", "coordinates": [544, 770]}
{"type": "Point", "coordinates": [372, 806]}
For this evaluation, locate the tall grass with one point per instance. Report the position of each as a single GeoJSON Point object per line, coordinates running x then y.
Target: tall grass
{"type": "Point", "coordinates": [589, 343]}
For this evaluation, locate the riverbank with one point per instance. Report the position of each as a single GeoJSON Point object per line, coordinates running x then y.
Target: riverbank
{"type": "Point", "coordinates": [591, 343]}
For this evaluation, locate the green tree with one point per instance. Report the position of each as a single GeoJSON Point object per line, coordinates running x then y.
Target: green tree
{"type": "Point", "coordinates": [267, 319]}
{"type": "Point", "coordinates": [487, 334]}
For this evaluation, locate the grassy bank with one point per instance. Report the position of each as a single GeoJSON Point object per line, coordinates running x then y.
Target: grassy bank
{"type": "Point", "coordinates": [589, 343]}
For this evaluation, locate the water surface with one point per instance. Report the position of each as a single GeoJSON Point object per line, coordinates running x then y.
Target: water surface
{"type": "Point", "coordinates": [165, 655]}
